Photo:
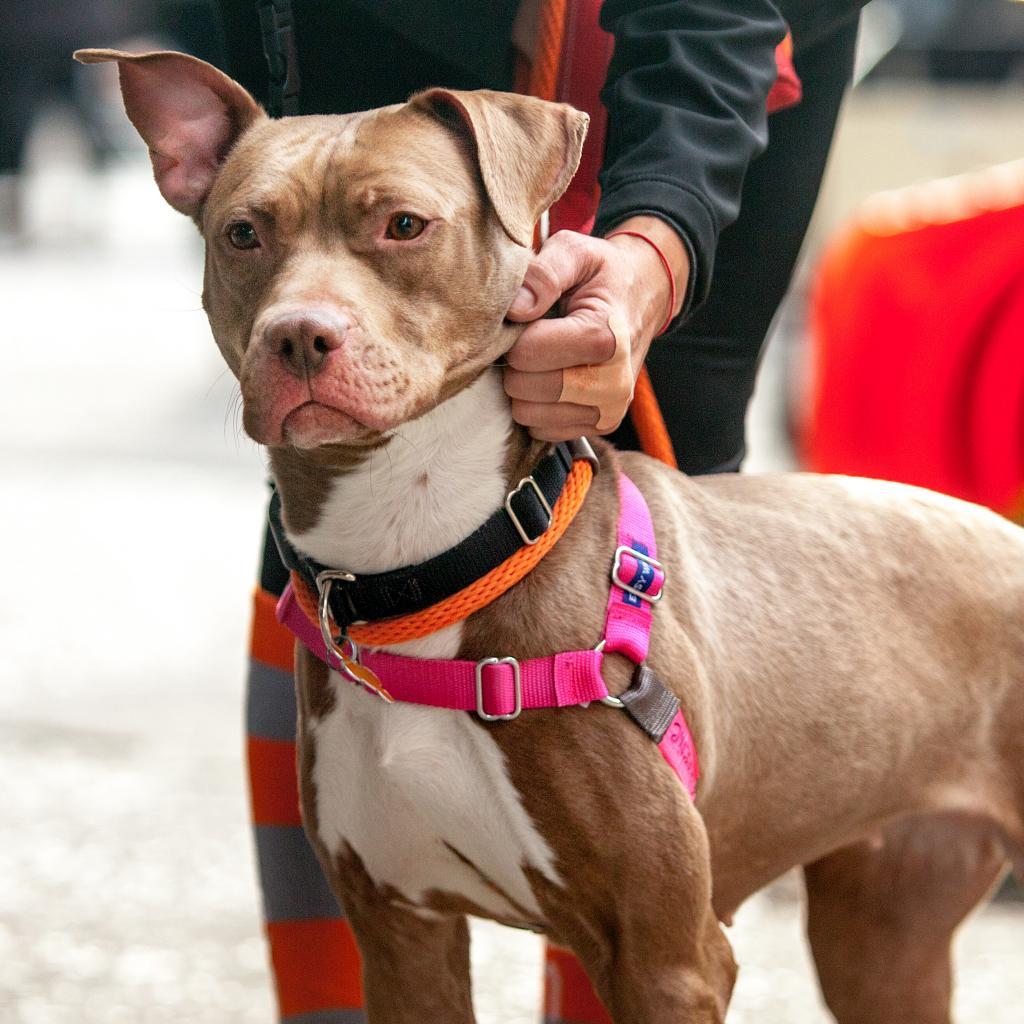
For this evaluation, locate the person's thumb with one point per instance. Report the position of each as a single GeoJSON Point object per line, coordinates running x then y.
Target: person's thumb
{"type": "Point", "coordinates": [563, 262]}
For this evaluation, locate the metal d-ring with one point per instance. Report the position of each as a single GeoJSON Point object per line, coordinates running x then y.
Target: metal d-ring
{"type": "Point", "coordinates": [612, 702]}
{"type": "Point", "coordinates": [336, 645]}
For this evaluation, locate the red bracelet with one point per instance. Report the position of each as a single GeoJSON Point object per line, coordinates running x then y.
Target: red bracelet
{"type": "Point", "coordinates": [668, 270]}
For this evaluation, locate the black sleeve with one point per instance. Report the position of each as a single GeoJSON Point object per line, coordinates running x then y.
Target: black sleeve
{"type": "Point", "coordinates": [685, 93]}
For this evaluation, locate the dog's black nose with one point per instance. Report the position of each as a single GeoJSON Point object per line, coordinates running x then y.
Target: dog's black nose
{"type": "Point", "coordinates": [303, 341]}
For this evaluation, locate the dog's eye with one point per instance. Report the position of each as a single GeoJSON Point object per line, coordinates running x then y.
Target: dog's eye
{"type": "Point", "coordinates": [242, 235]}
{"type": "Point", "coordinates": [405, 226]}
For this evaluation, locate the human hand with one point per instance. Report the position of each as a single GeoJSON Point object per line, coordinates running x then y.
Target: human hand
{"type": "Point", "coordinates": [613, 296]}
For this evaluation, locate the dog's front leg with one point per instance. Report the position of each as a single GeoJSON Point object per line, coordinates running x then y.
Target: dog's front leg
{"type": "Point", "coordinates": [692, 985]}
{"type": "Point", "coordinates": [415, 968]}
{"type": "Point", "coordinates": [672, 963]}
{"type": "Point", "coordinates": [415, 964]}
{"type": "Point", "coordinates": [636, 909]}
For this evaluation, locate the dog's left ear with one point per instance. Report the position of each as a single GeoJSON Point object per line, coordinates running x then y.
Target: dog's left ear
{"type": "Point", "coordinates": [527, 149]}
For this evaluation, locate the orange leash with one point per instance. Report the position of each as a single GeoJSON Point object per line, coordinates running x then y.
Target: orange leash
{"type": "Point", "coordinates": [649, 422]}
{"type": "Point", "coordinates": [477, 595]}
{"type": "Point", "coordinates": [543, 83]}
{"type": "Point", "coordinates": [548, 59]}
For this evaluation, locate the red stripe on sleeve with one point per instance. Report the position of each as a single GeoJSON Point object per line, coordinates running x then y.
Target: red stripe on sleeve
{"type": "Point", "coordinates": [316, 965]}
{"type": "Point", "coordinates": [270, 642]}
{"type": "Point", "coordinates": [568, 994]}
{"type": "Point", "coordinates": [273, 781]}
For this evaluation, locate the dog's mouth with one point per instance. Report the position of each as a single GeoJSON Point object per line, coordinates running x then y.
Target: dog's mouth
{"type": "Point", "coordinates": [335, 410]}
{"type": "Point", "coordinates": [314, 423]}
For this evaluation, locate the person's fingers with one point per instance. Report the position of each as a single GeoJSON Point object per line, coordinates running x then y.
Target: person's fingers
{"type": "Point", "coordinates": [533, 387]}
{"type": "Point", "coordinates": [581, 339]}
{"type": "Point", "coordinates": [554, 435]}
{"type": "Point", "coordinates": [607, 386]}
{"type": "Point", "coordinates": [565, 260]}
{"type": "Point", "coordinates": [554, 415]}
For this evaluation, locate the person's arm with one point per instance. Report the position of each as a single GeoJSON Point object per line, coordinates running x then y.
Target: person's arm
{"type": "Point", "coordinates": [686, 94]}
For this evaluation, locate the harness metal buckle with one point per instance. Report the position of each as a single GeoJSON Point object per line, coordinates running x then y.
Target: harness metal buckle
{"type": "Point", "coordinates": [651, 563]}
{"type": "Point", "coordinates": [527, 482]}
{"type": "Point", "coordinates": [517, 680]}
{"type": "Point", "coordinates": [348, 661]}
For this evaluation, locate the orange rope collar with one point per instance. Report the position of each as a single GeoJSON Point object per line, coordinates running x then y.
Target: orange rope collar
{"type": "Point", "coordinates": [477, 595]}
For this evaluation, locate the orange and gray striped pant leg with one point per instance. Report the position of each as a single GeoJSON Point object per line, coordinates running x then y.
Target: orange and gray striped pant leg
{"type": "Point", "coordinates": [313, 956]}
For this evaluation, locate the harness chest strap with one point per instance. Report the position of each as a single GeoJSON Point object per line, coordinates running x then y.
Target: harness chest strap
{"type": "Point", "coordinates": [495, 686]}
{"type": "Point", "coordinates": [500, 688]}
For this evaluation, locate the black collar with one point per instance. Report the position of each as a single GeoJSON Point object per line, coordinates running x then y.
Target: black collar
{"type": "Point", "coordinates": [522, 520]}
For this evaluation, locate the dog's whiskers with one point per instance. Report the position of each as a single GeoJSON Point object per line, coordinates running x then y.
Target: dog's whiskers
{"type": "Point", "coordinates": [233, 416]}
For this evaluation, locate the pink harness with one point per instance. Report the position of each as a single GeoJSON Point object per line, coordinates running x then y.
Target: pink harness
{"type": "Point", "coordinates": [498, 689]}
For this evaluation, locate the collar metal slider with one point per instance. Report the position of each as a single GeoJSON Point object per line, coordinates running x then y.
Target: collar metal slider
{"type": "Point", "coordinates": [527, 482]}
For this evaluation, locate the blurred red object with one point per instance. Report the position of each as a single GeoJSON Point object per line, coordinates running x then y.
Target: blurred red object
{"type": "Point", "coordinates": [917, 341]}
{"type": "Point", "coordinates": [787, 90]}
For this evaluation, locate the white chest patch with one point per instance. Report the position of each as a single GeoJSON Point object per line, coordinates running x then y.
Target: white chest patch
{"type": "Point", "coordinates": [407, 786]}
{"type": "Point", "coordinates": [432, 485]}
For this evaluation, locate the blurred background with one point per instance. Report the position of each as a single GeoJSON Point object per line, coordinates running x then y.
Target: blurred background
{"type": "Point", "coordinates": [128, 889]}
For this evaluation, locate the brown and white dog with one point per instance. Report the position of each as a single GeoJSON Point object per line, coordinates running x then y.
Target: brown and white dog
{"type": "Point", "coordinates": [849, 654]}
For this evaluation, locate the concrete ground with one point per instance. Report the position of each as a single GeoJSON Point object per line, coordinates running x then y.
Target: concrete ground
{"type": "Point", "coordinates": [132, 508]}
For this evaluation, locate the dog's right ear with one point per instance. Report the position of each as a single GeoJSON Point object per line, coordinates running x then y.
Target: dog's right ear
{"type": "Point", "coordinates": [188, 113]}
